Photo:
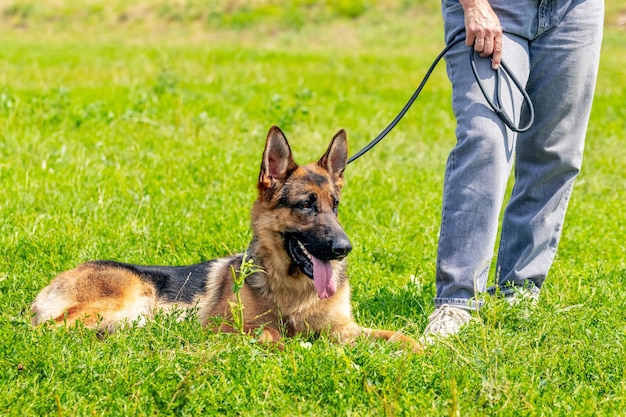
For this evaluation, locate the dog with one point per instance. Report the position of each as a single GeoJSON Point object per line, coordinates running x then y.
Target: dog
{"type": "Point", "coordinates": [293, 272]}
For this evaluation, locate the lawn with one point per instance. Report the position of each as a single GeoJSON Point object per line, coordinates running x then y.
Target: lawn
{"type": "Point", "coordinates": [134, 131]}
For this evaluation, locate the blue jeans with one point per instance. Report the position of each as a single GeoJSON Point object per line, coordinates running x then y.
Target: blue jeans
{"type": "Point", "coordinates": [552, 46]}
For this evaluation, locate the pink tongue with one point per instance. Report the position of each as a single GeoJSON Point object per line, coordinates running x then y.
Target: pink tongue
{"type": "Point", "coordinates": [323, 278]}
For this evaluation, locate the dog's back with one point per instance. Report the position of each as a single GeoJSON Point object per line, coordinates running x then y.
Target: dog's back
{"type": "Point", "coordinates": [104, 293]}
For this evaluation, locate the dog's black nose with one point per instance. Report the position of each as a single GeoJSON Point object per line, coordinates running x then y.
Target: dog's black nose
{"type": "Point", "coordinates": [341, 247]}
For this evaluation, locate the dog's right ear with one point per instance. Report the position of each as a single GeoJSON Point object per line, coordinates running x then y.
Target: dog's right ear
{"type": "Point", "coordinates": [277, 161]}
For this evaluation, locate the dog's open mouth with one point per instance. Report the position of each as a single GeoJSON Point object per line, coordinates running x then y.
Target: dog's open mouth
{"type": "Point", "coordinates": [320, 271]}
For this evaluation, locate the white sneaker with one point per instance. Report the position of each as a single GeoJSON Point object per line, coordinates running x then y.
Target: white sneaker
{"type": "Point", "coordinates": [523, 296]}
{"type": "Point", "coordinates": [445, 321]}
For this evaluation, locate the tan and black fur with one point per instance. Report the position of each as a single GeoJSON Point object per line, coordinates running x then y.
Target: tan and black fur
{"type": "Point", "coordinates": [297, 242]}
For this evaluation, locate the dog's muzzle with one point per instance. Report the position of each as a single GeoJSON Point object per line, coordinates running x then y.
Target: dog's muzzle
{"type": "Point", "coordinates": [315, 262]}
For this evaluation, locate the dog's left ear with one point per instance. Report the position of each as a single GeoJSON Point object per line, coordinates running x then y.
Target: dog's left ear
{"type": "Point", "coordinates": [336, 157]}
{"type": "Point", "coordinates": [277, 161]}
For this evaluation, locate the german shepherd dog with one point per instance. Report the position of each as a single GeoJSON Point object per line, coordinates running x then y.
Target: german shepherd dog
{"type": "Point", "coordinates": [298, 285]}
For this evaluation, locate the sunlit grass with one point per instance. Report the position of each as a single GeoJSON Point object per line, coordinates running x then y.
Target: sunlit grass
{"type": "Point", "coordinates": [134, 132]}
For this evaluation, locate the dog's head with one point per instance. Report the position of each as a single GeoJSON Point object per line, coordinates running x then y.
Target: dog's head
{"type": "Point", "coordinates": [297, 209]}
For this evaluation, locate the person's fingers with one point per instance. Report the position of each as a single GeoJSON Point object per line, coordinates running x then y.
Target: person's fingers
{"type": "Point", "coordinates": [479, 44]}
{"type": "Point", "coordinates": [487, 47]}
{"type": "Point", "coordinates": [496, 57]}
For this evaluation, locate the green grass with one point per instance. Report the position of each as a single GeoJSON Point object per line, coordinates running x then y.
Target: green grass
{"type": "Point", "coordinates": [135, 131]}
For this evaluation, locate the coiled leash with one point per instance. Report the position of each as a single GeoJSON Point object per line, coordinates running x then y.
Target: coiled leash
{"type": "Point", "coordinates": [495, 106]}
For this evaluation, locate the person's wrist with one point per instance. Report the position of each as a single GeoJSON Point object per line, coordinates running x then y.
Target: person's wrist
{"type": "Point", "coordinates": [469, 4]}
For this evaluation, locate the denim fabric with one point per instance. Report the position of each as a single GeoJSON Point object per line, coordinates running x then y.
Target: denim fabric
{"type": "Point", "coordinates": [553, 46]}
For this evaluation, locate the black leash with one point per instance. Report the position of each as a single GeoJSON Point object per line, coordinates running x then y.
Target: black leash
{"type": "Point", "coordinates": [496, 107]}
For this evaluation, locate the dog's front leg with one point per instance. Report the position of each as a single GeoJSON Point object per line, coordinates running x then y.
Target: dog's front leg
{"type": "Point", "coordinates": [268, 336]}
{"type": "Point", "coordinates": [392, 336]}
{"type": "Point", "coordinates": [346, 331]}
{"type": "Point", "coordinates": [264, 334]}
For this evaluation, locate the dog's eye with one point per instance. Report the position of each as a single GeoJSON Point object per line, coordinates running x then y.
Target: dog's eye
{"type": "Point", "coordinates": [306, 204]}
{"type": "Point", "coordinates": [309, 203]}
{"type": "Point", "coordinates": [335, 206]}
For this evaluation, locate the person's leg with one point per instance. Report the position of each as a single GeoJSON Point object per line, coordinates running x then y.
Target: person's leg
{"type": "Point", "coordinates": [476, 176]}
{"type": "Point", "coordinates": [564, 65]}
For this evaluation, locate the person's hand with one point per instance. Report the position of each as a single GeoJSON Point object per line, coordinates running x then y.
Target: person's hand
{"type": "Point", "coordinates": [483, 30]}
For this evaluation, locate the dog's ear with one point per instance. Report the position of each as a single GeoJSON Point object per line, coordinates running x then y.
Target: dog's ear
{"type": "Point", "coordinates": [336, 157]}
{"type": "Point", "coordinates": [277, 159]}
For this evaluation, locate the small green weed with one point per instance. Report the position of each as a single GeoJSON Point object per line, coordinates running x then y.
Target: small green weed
{"type": "Point", "coordinates": [246, 269]}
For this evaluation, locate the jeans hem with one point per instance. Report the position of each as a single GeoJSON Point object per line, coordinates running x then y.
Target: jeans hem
{"type": "Point", "coordinates": [509, 290]}
{"type": "Point", "coordinates": [470, 304]}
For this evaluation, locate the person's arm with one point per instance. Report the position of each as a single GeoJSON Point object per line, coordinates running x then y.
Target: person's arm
{"type": "Point", "coordinates": [483, 30]}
